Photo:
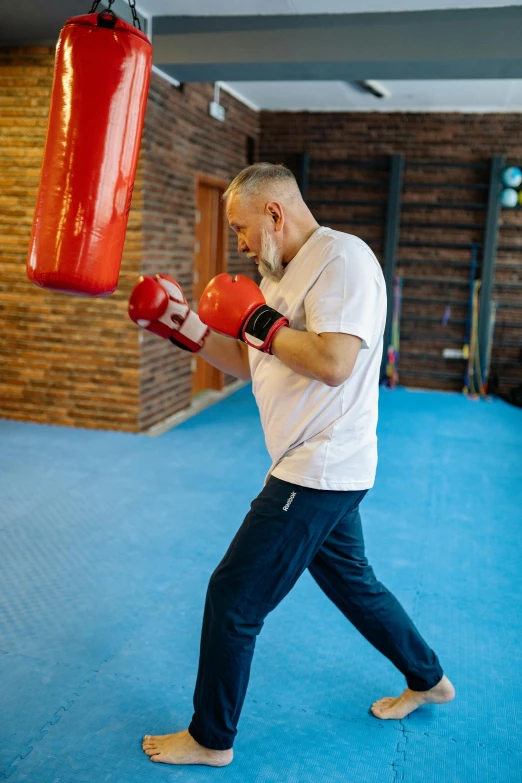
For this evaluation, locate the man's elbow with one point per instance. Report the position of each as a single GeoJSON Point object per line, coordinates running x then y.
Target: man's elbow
{"type": "Point", "coordinates": [339, 354]}
{"type": "Point", "coordinates": [336, 376]}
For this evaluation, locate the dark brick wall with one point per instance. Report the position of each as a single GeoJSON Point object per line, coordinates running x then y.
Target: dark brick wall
{"type": "Point", "coordinates": [433, 277]}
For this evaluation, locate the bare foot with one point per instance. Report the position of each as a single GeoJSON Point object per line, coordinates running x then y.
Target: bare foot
{"type": "Point", "coordinates": [389, 709]}
{"type": "Point", "coordinates": [181, 748]}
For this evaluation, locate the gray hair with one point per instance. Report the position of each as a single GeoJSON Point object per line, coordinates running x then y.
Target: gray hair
{"type": "Point", "coordinates": [253, 180]}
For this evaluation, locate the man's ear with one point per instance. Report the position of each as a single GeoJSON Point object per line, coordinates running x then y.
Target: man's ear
{"type": "Point", "coordinates": [274, 210]}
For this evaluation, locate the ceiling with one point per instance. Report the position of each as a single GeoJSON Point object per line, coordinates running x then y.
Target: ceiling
{"type": "Point", "coordinates": [431, 55]}
{"type": "Point", "coordinates": [281, 7]}
{"type": "Point", "coordinates": [456, 95]}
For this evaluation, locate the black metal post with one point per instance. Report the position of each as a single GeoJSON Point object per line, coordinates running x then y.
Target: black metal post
{"type": "Point", "coordinates": [488, 259]}
{"type": "Point", "coordinates": [391, 243]}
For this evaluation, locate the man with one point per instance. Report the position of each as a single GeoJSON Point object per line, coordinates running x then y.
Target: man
{"type": "Point", "coordinates": [311, 341]}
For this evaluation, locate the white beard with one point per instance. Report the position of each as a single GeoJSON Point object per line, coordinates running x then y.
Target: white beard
{"type": "Point", "coordinates": [270, 259]}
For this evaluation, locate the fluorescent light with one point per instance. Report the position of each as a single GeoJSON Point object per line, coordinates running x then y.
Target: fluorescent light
{"type": "Point", "coordinates": [375, 88]}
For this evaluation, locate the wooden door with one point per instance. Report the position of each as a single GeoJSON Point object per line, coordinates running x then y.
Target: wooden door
{"type": "Point", "coordinates": [209, 260]}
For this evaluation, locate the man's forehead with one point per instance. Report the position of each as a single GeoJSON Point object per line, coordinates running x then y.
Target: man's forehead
{"type": "Point", "coordinates": [241, 212]}
{"type": "Point", "coordinates": [234, 210]}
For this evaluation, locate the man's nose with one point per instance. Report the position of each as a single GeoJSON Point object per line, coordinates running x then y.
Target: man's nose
{"type": "Point", "coordinates": [241, 246]}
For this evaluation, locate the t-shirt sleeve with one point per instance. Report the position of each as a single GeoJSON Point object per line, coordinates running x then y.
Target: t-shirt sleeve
{"type": "Point", "coordinates": [346, 297]}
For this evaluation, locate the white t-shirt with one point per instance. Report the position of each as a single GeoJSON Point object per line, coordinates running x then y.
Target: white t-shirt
{"type": "Point", "coordinates": [321, 436]}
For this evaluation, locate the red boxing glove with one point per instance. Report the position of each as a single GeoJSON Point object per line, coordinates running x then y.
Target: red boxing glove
{"type": "Point", "coordinates": [159, 305]}
{"type": "Point", "coordinates": [237, 307]}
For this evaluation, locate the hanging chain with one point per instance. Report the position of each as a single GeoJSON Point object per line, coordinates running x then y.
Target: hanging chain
{"type": "Point", "coordinates": [96, 3]}
{"type": "Point", "coordinates": [132, 4]}
{"type": "Point", "coordinates": [135, 19]}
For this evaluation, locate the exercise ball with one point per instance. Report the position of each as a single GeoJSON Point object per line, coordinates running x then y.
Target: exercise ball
{"type": "Point", "coordinates": [512, 177]}
{"type": "Point", "coordinates": [509, 197]}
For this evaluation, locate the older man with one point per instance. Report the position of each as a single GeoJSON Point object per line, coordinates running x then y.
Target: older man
{"type": "Point", "coordinates": [310, 338]}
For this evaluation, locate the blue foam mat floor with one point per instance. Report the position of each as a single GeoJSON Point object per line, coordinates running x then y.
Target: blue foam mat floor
{"type": "Point", "coordinates": [107, 541]}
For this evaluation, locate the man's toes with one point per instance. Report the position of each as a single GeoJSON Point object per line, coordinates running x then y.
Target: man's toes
{"type": "Point", "coordinates": [151, 747]}
{"type": "Point", "coordinates": [380, 707]}
{"type": "Point", "coordinates": [382, 702]}
{"type": "Point", "coordinates": [149, 741]}
{"type": "Point", "coordinates": [160, 757]}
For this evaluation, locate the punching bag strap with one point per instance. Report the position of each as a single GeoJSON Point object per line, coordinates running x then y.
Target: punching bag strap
{"type": "Point", "coordinates": [107, 19]}
{"type": "Point", "coordinates": [102, 18]}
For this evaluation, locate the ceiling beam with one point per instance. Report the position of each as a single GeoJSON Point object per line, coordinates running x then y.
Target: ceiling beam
{"type": "Point", "coordinates": [451, 44]}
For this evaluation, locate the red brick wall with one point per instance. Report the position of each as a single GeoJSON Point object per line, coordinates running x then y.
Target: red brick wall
{"type": "Point", "coordinates": [65, 360]}
{"type": "Point", "coordinates": [68, 360]}
{"type": "Point", "coordinates": [181, 141]}
{"type": "Point", "coordinates": [74, 361]}
{"type": "Point", "coordinates": [429, 137]}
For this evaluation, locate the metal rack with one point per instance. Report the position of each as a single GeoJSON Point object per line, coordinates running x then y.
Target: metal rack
{"type": "Point", "coordinates": [378, 197]}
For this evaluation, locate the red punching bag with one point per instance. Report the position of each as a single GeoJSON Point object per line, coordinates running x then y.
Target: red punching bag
{"type": "Point", "coordinates": [98, 102]}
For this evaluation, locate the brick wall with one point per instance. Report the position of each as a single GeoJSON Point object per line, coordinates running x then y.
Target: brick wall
{"type": "Point", "coordinates": [81, 362]}
{"type": "Point", "coordinates": [433, 277]}
{"type": "Point", "coordinates": [75, 361]}
{"type": "Point", "coordinates": [180, 141]}
{"type": "Point", "coordinates": [65, 360]}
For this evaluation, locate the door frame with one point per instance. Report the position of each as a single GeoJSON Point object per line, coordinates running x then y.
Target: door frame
{"type": "Point", "coordinates": [215, 379]}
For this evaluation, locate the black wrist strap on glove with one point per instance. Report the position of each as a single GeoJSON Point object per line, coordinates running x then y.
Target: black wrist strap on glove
{"type": "Point", "coordinates": [180, 345]}
{"type": "Point", "coordinates": [261, 327]}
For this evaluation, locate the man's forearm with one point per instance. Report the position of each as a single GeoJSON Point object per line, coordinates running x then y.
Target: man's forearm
{"type": "Point", "coordinates": [227, 354]}
{"type": "Point", "coordinates": [328, 358]}
{"type": "Point", "coordinates": [301, 351]}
